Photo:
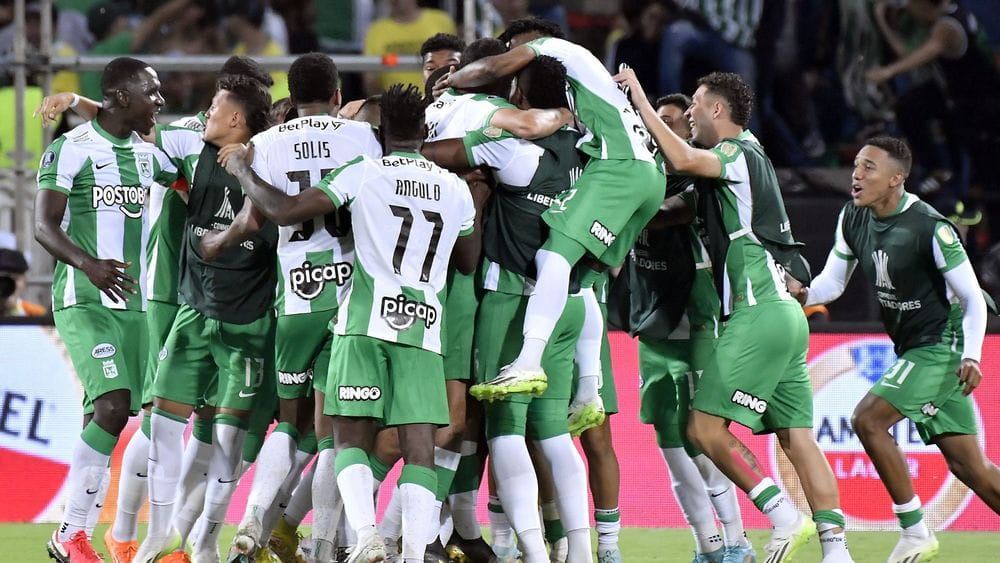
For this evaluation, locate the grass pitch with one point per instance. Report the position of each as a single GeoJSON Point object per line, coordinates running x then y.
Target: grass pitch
{"type": "Point", "coordinates": [25, 543]}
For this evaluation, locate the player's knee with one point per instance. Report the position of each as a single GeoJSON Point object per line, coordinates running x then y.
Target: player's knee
{"type": "Point", "coordinates": [450, 436]}
{"type": "Point", "coordinates": [696, 433]}
{"type": "Point", "coordinates": [865, 425]}
{"type": "Point", "coordinates": [112, 415]}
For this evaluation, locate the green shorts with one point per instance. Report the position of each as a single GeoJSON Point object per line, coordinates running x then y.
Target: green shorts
{"type": "Point", "coordinates": [395, 383]}
{"type": "Point", "coordinates": [668, 376]}
{"type": "Point", "coordinates": [459, 325]}
{"type": "Point", "coordinates": [497, 345]}
{"type": "Point", "coordinates": [201, 353]}
{"type": "Point", "coordinates": [159, 319]}
{"type": "Point", "coordinates": [609, 206]}
{"type": "Point", "coordinates": [923, 387]}
{"type": "Point", "coordinates": [757, 376]}
{"type": "Point", "coordinates": [301, 351]}
{"type": "Point", "coordinates": [108, 348]}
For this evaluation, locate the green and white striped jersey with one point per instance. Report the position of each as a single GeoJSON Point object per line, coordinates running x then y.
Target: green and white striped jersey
{"type": "Point", "coordinates": [454, 114]}
{"type": "Point", "coordinates": [107, 182]}
{"type": "Point", "coordinates": [407, 214]}
{"type": "Point", "coordinates": [612, 130]}
{"type": "Point", "coordinates": [315, 258]}
{"type": "Point", "coordinates": [167, 212]}
{"type": "Point", "coordinates": [751, 275]}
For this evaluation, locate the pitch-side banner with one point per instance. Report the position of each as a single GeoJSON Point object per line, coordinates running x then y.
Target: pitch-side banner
{"type": "Point", "coordinates": [40, 418]}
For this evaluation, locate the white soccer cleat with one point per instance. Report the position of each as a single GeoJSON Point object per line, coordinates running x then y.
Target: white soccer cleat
{"type": "Point", "coordinates": [914, 549]}
{"type": "Point", "coordinates": [247, 539]}
{"type": "Point", "coordinates": [371, 551]}
{"type": "Point", "coordinates": [786, 542]}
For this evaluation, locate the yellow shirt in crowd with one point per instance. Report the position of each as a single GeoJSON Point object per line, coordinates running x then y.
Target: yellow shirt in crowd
{"type": "Point", "coordinates": [386, 36]}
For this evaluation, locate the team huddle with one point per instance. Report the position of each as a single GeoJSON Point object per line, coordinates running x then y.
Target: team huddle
{"type": "Point", "coordinates": [424, 276]}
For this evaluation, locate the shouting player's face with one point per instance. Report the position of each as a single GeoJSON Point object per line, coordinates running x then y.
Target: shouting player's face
{"type": "Point", "coordinates": [223, 119]}
{"type": "Point", "coordinates": [440, 58]}
{"type": "Point", "coordinates": [144, 101]}
{"type": "Point", "coordinates": [705, 107]}
{"type": "Point", "coordinates": [876, 179]}
{"type": "Point", "coordinates": [673, 117]}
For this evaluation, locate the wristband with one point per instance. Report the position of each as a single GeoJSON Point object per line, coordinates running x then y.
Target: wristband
{"type": "Point", "coordinates": [76, 101]}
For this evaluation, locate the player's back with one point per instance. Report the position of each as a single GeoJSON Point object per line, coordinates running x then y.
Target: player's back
{"type": "Point", "coordinates": [292, 157]}
{"type": "Point", "coordinates": [454, 114]}
{"type": "Point", "coordinates": [407, 214]}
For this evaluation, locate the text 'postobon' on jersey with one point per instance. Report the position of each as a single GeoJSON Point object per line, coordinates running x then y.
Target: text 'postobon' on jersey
{"type": "Point", "coordinates": [612, 128]}
{"type": "Point", "coordinates": [106, 181]}
{"type": "Point", "coordinates": [315, 258]}
{"type": "Point", "coordinates": [406, 214]}
{"type": "Point", "coordinates": [453, 114]}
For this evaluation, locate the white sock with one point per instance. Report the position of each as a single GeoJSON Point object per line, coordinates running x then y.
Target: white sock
{"type": "Point", "coordinates": [95, 511]}
{"type": "Point", "coordinates": [545, 306]}
{"type": "Point", "coordinates": [86, 472]}
{"type": "Point", "coordinates": [501, 534]}
{"type": "Point", "coordinates": [722, 493]}
{"type": "Point", "coordinates": [391, 526]}
{"type": "Point", "coordinates": [133, 483]}
{"type": "Point", "coordinates": [355, 482]}
{"type": "Point", "coordinates": [326, 499]}
{"type": "Point", "coordinates": [280, 502]}
{"type": "Point", "coordinates": [447, 525]}
{"type": "Point", "coordinates": [273, 464]}
{"type": "Point", "coordinates": [223, 477]}
{"type": "Point", "coordinates": [588, 349]}
{"type": "Point", "coordinates": [463, 514]}
{"type": "Point", "coordinates": [190, 495]}
{"type": "Point", "coordinates": [779, 509]}
{"type": "Point", "coordinates": [164, 469]}
{"type": "Point", "coordinates": [607, 531]}
{"type": "Point", "coordinates": [345, 534]}
{"type": "Point", "coordinates": [418, 526]}
{"type": "Point", "coordinates": [571, 493]}
{"type": "Point", "coordinates": [301, 502]}
{"type": "Point", "coordinates": [919, 529]}
{"type": "Point", "coordinates": [689, 490]}
{"type": "Point", "coordinates": [829, 540]}
{"type": "Point", "coordinates": [517, 488]}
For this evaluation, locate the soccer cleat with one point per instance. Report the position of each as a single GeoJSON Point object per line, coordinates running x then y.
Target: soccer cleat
{"type": "Point", "coordinates": [609, 555]}
{"type": "Point", "coordinates": [584, 416]}
{"type": "Point", "coordinates": [369, 552]}
{"type": "Point", "coordinates": [121, 551]}
{"type": "Point", "coordinates": [152, 549]}
{"type": "Point", "coordinates": [511, 381]}
{"type": "Point", "coordinates": [435, 553]}
{"type": "Point", "coordinates": [839, 556]}
{"type": "Point", "coordinates": [461, 550]}
{"type": "Point", "coordinates": [559, 551]}
{"type": "Point", "coordinates": [179, 556]}
{"type": "Point", "coordinates": [739, 554]}
{"type": "Point", "coordinates": [265, 555]}
{"type": "Point", "coordinates": [76, 549]}
{"type": "Point", "coordinates": [785, 542]}
{"type": "Point", "coordinates": [284, 542]}
{"type": "Point", "coordinates": [506, 554]}
{"type": "Point", "coordinates": [343, 553]}
{"type": "Point", "coordinates": [914, 549]}
{"type": "Point", "coordinates": [246, 540]}
{"type": "Point", "coordinates": [710, 557]}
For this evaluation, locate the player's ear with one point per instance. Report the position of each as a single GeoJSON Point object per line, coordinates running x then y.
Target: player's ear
{"type": "Point", "coordinates": [337, 99]}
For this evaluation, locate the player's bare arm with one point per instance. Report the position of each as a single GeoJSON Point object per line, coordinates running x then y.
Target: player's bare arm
{"type": "Point", "coordinates": [674, 211]}
{"type": "Point", "coordinates": [274, 204]}
{"type": "Point", "coordinates": [53, 105]}
{"type": "Point", "coordinates": [108, 275]}
{"type": "Point", "coordinates": [447, 153]}
{"type": "Point", "coordinates": [944, 37]}
{"type": "Point", "coordinates": [466, 252]}
{"type": "Point", "coordinates": [531, 123]}
{"type": "Point", "coordinates": [247, 223]}
{"type": "Point", "coordinates": [486, 70]}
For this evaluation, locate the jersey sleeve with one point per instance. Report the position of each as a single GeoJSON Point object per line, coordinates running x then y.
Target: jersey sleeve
{"type": "Point", "coordinates": [514, 159]}
{"type": "Point", "coordinates": [948, 250]}
{"type": "Point", "coordinates": [468, 210]}
{"type": "Point", "coordinates": [182, 147]}
{"type": "Point", "coordinates": [733, 161]}
{"type": "Point", "coordinates": [373, 148]}
{"type": "Point", "coordinates": [546, 46]}
{"type": "Point", "coordinates": [261, 150]}
{"type": "Point", "coordinates": [840, 246]}
{"type": "Point", "coordinates": [59, 165]}
{"type": "Point", "coordinates": [341, 185]}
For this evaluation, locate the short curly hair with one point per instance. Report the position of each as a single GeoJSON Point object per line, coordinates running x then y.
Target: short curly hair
{"type": "Point", "coordinates": [897, 148]}
{"type": "Point", "coordinates": [735, 91]}
{"type": "Point", "coordinates": [245, 66]}
{"type": "Point", "coordinates": [546, 78]}
{"type": "Point", "coordinates": [527, 25]}
{"type": "Point", "coordinates": [682, 101]}
{"type": "Point", "coordinates": [403, 108]}
{"type": "Point", "coordinates": [441, 42]}
{"type": "Point", "coordinates": [312, 78]}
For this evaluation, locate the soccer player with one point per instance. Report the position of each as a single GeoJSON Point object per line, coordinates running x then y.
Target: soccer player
{"type": "Point", "coordinates": [754, 379]}
{"type": "Point", "coordinates": [386, 365]}
{"type": "Point", "coordinates": [94, 180]}
{"type": "Point", "coordinates": [677, 336]}
{"type": "Point", "coordinates": [223, 334]}
{"type": "Point", "coordinates": [619, 192]}
{"type": "Point", "coordinates": [934, 311]}
{"type": "Point", "coordinates": [530, 176]}
{"type": "Point", "coordinates": [316, 261]}
{"type": "Point", "coordinates": [441, 50]}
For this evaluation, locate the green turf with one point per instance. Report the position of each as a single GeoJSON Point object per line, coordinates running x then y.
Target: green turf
{"type": "Point", "coordinates": [25, 543]}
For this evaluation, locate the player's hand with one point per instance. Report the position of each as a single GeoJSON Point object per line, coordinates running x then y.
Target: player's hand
{"type": "Point", "coordinates": [969, 374]}
{"type": "Point", "coordinates": [629, 84]}
{"type": "Point", "coordinates": [211, 245]}
{"type": "Point", "coordinates": [442, 84]}
{"type": "Point", "coordinates": [52, 106]}
{"type": "Point", "coordinates": [236, 158]}
{"type": "Point", "coordinates": [796, 289]}
{"type": "Point", "coordinates": [109, 276]}
{"type": "Point", "coordinates": [350, 109]}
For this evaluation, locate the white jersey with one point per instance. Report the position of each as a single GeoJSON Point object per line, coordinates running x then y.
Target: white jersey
{"type": "Point", "coordinates": [454, 114]}
{"type": "Point", "coordinates": [407, 214]}
{"type": "Point", "coordinates": [106, 181]}
{"type": "Point", "coordinates": [314, 258]}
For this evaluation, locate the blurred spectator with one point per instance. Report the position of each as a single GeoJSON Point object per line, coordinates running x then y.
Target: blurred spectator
{"type": "Point", "coordinates": [196, 31]}
{"type": "Point", "coordinates": [718, 33]}
{"type": "Point", "coordinates": [299, 19]}
{"type": "Point", "coordinates": [341, 24]}
{"type": "Point", "coordinates": [63, 81]}
{"type": "Point", "coordinates": [71, 26]}
{"type": "Point", "coordinates": [640, 47]}
{"type": "Point", "coordinates": [109, 24]}
{"type": "Point", "coordinates": [402, 33]}
{"type": "Point", "coordinates": [245, 23]}
{"type": "Point", "coordinates": [13, 279]}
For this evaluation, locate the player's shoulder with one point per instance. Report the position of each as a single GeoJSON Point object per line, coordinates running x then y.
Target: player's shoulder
{"type": "Point", "coordinates": [80, 136]}
{"type": "Point", "coordinates": [194, 122]}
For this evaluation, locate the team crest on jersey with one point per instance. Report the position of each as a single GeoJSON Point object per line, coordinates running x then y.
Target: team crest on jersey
{"type": "Point", "coordinates": [48, 158]}
{"type": "Point", "coordinates": [308, 280]}
{"type": "Point", "coordinates": [401, 313]}
{"type": "Point", "coordinates": [728, 149]}
{"type": "Point", "coordinates": [144, 162]}
{"type": "Point", "coordinates": [493, 132]}
{"type": "Point", "coordinates": [945, 234]}
{"type": "Point", "coordinates": [110, 369]}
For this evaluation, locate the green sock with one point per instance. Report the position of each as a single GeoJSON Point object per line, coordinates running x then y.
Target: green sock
{"type": "Point", "coordinates": [98, 438]}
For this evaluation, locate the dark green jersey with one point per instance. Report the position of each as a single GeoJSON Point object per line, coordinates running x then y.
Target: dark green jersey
{"type": "Point", "coordinates": [904, 257]}
{"type": "Point", "coordinates": [238, 286]}
{"type": "Point", "coordinates": [530, 176]}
